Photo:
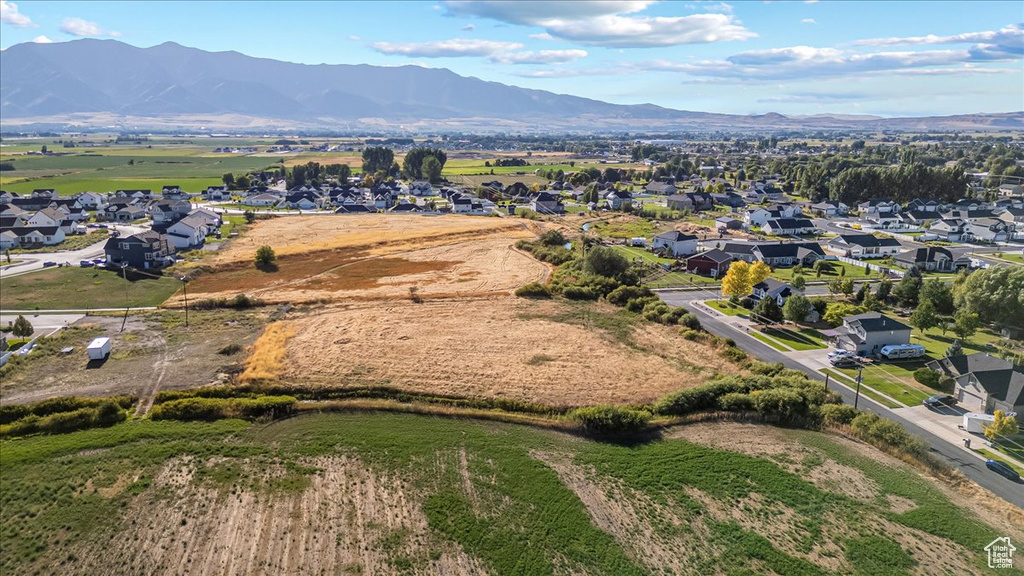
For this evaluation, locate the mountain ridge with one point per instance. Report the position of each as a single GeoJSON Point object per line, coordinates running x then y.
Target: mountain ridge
{"type": "Point", "coordinates": [91, 81]}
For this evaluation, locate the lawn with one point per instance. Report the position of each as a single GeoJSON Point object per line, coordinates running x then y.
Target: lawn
{"type": "Point", "coordinates": [726, 307]}
{"type": "Point", "coordinates": [768, 341]}
{"type": "Point", "coordinates": [864, 389]}
{"type": "Point", "coordinates": [81, 288]}
{"type": "Point", "coordinates": [886, 378]}
{"type": "Point", "coordinates": [633, 253]}
{"type": "Point", "coordinates": [1010, 256]}
{"type": "Point", "coordinates": [624, 228]}
{"type": "Point", "coordinates": [679, 279]}
{"type": "Point", "coordinates": [394, 493]}
{"type": "Point", "coordinates": [800, 339]}
{"type": "Point", "coordinates": [852, 271]}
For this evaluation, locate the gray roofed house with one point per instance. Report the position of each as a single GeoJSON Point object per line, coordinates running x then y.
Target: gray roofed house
{"type": "Point", "coordinates": [864, 246]}
{"type": "Point", "coordinates": [772, 288]}
{"type": "Point", "coordinates": [984, 382]}
{"type": "Point", "coordinates": [867, 333]}
{"type": "Point", "coordinates": [144, 250]}
{"type": "Point", "coordinates": [788, 253]}
{"type": "Point", "coordinates": [662, 188]}
{"type": "Point", "coordinates": [932, 259]}
{"type": "Point", "coordinates": [675, 243]}
{"type": "Point", "coordinates": [788, 226]}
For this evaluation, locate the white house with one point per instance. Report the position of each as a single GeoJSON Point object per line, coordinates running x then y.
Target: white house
{"type": "Point", "coordinates": [189, 232]}
{"type": "Point", "coordinates": [8, 240]}
{"type": "Point", "coordinates": [861, 246]}
{"type": "Point", "coordinates": [676, 243]}
{"type": "Point", "coordinates": [91, 200]}
{"type": "Point", "coordinates": [46, 217]}
{"type": "Point", "coordinates": [261, 200]}
{"type": "Point", "coordinates": [788, 226]}
{"type": "Point", "coordinates": [619, 200]}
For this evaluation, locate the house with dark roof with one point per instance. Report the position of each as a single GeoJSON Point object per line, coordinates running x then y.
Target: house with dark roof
{"type": "Point", "coordinates": [788, 227]}
{"type": "Point", "coordinates": [712, 263]}
{"type": "Point", "coordinates": [932, 259]}
{"type": "Point", "coordinates": [661, 188]}
{"type": "Point", "coordinates": [772, 288]}
{"type": "Point", "coordinates": [866, 334]}
{"type": "Point", "coordinates": [878, 207]}
{"type": "Point", "coordinates": [788, 253]}
{"type": "Point", "coordinates": [216, 193]}
{"type": "Point", "coordinates": [830, 208]}
{"type": "Point", "coordinates": [547, 203]}
{"type": "Point", "coordinates": [38, 235]}
{"type": "Point", "coordinates": [143, 251]}
{"type": "Point", "coordinates": [988, 230]}
{"type": "Point", "coordinates": [406, 208]}
{"type": "Point", "coordinates": [984, 383]}
{"type": "Point", "coordinates": [924, 205]}
{"type": "Point", "coordinates": [354, 209]}
{"type": "Point", "coordinates": [730, 199]}
{"type": "Point", "coordinates": [166, 212]}
{"type": "Point", "coordinates": [188, 232]}
{"type": "Point", "coordinates": [619, 200]}
{"type": "Point", "coordinates": [692, 201]}
{"type": "Point", "coordinates": [675, 243]}
{"type": "Point", "coordinates": [726, 223]}
{"type": "Point", "coordinates": [948, 229]}
{"type": "Point", "coordinates": [862, 246]}
{"type": "Point", "coordinates": [129, 213]}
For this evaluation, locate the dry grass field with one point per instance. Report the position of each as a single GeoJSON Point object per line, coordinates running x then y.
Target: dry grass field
{"type": "Point", "coordinates": [551, 352]}
{"type": "Point", "coordinates": [322, 258]}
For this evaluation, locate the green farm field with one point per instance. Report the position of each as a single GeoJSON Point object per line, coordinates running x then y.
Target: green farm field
{"type": "Point", "coordinates": [381, 493]}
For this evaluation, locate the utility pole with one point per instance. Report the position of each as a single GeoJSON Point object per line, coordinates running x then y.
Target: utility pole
{"type": "Point", "coordinates": [184, 286]}
{"type": "Point", "coordinates": [856, 399]}
{"type": "Point", "coordinates": [124, 274]}
{"type": "Point", "coordinates": [827, 375]}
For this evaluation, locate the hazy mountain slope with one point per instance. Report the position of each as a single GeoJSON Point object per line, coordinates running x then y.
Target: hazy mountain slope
{"type": "Point", "coordinates": [87, 79]}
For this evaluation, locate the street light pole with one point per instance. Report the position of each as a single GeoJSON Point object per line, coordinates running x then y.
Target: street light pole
{"type": "Point", "coordinates": [124, 274]}
{"type": "Point", "coordinates": [184, 286]}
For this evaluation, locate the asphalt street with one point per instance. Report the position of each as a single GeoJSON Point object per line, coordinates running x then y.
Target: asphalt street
{"type": "Point", "coordinates": [956, 456]}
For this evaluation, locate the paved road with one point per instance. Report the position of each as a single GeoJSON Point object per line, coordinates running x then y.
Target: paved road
{"type": "Point", "coordinates": [43, 323]}
{"type": "Point", "coordinates": [34, 261]}
{"type": "Point", "coordinates": [956, 456]}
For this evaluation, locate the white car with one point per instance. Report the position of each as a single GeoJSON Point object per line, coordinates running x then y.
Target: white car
{"type": "Point", "coordinates": [839, 354]}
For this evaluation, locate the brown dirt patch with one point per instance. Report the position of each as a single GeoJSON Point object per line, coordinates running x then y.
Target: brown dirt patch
{"type": "Point", "coordinates": [375, 257]}
{"type": "Point", "coordinates": [350, 519]}
{"type": "Point", "coordinates": [489, 348]}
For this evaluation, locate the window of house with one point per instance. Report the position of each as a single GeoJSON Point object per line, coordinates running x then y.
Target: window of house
{"type": "Point", "coordinates": [149, 256]}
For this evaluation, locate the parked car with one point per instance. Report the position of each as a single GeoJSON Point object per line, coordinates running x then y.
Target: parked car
{"type": "Point", "coordinates": [1003, 469]}
{"type": "Point", "coordinates": [48, 264]}
{"type": "Point", "coordinates": [940, 401]}
{"type": "Point", "coordinates": [86, 263]}
{"type": "Point", "coordinates": [840, 354]}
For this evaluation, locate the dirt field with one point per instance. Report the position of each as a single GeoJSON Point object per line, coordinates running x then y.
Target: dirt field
{"type": "Point", "coordinates": [155, 352]}
{"type": "Point", "coordinates": [510, 348]}
{"type": "Point", "coordinates": [376, 257]}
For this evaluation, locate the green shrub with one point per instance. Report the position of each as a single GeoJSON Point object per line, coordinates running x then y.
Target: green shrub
{"type": "Point", "coordinates": [623, 294]}
{"type": "Point", "coordinates": [735, 355]}
{"type": "Point", "coordinates": [12, 412]}
{"type": "Point", "coordinates": [838, 413]}
{"type": "Point", "coordinates": [240, 302]}
{"type": "Point", "coordinates": [104, 413]}
{"type": "Point", "coordinates": [610, 419]}
{"type": "Point", "coordinates": [553, 238]}
{"type": "Point", "coordinates": [533, 290]}
{"type": "Point", "coordinates": [736, 401]}
{"type": "Point", "coordinates": [573, 292]}
{"type": "Point", "coordinates": [765, 368]}
{"type": "Point", "coordinates": [209, 409]}
{"type": "Point", "coordinates": [784, 404]}
{"type": "Point", "coordinates": [927, 376]}
{"type": "Point", "coordinates": [638, 304]}
{"type": "Point", "coordinates": [690, 321]}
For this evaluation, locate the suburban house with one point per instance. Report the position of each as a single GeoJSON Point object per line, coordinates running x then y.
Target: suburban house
{"type": "Point", "coordinates": [661, 188]}
{"type": "Point", "coordinates": [91, 200]}
{"type": "Point", "coordinates": [405, 208]}
{"type": "Point", "coordinates": [173, 192]}
{"type": "Point", "coordinates": [209, 217]}
{"type": "Point", "coordinates": [788, 226]}
{"type": "Point", "coordinates": [861, 246]}
{"type": "Point", "coordinates": [619, 200]}
{"type": "Point", "coordinates": [788, 253]}
{"type": "Point", "coordinates": [134, 194]}
{"type": "Point", "coordinates": [675, 243]}
{"type": "Point", "coordinates": [988, 230]}
{"type": "Point", "coordinates": [692, 201]}
{"type": "Point", "coordinates": [216, 193]}
{"type": "Point", "coordinates": [932, 259]}
{"type": "Point", "coordinates": [166, 212]}
{"type": "Point", "coordinates": [730, 199]}
{"type": "Point", "coordinates": [924, 205]}
{"type": "Point", "coordinates": [760, 216]}
{"type": "Point", "coordinates": [725, 223]}
{"type": "Point", "coordinates": [130, 213]}
{"type": "Point", "coordinates": [1011, 189]}
{"type": "Point", "coordinates": [37, 235]}
{"type": "Point", "coordinates": [772, 288]}
{"type": "Point", "coordinates": [46, 217]}
{"type": "Point", "coordinates": [304, 200]}
{"type": "Point", "coordinates": [984, 383]}
{"type": "Point", "coordinates": [830, 208]}
{"type": "Point", "coordinates": [712, 263]}
{"type": "Point", "coordinates": [8, 239]}
{"type": "Point", "coordinates": [1011, 214]}
{"type": "Point", "coordinates": [143, 251]}
{"type": "Point", "coordinates": [354, 209]}
{"type": "Point", "coordinates": [878, 207]}
{"type": "Point", "coordinates": [187, 233]}
{"type": "Point", "coordinates": [736, 250]}
{"type": "Point", "coordinates": [547, 203]}
{"type": "Point", "coordinates": [421, 188]}
{"type": "Point", "coordinates": [866, 334]}
{"type": "Point", "coordinates": [917, 218]}
{"type": "Point", "coordinates": [948, 229]}
{"type": "Point", "coordinates": [261, 200]}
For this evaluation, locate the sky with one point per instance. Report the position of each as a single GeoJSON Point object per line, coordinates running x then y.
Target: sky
{"type": "Point", "coordinates": [882, 58]}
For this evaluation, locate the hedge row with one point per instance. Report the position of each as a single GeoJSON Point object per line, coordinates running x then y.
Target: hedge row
{"type": "Point", "coordinates": [10, 413]}
{"type": "Point", "coordinates": [105, 413]}
{"type": "Point", "coordinates": [610, 419]}
{"type": "Point", "coordinates": [216, 408]}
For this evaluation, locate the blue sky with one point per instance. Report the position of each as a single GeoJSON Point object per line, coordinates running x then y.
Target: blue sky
{"type": "Point", "coordinates": [884, 58]}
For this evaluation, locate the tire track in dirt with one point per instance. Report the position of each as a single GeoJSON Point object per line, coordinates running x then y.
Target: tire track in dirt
{"type": "Point", "coordinates": [159, 371]}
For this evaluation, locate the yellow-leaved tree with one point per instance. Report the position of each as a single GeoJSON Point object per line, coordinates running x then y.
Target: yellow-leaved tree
{"type": "Point", "coordinates": [736, 283]}
{"type": "Point", "coordinates": [759, 271]}
{"type": "Point", "coordinates": [1003, 426]}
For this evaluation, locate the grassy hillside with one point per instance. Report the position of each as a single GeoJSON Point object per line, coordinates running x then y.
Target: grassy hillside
{"type": "Point", "coordinates": [381, 493]}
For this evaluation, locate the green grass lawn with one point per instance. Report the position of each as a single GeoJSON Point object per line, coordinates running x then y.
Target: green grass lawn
{"type": "Point", "coordinates": [1010, 256]}
{"type": "Point", "coordinates": [631, 228]}
{"type": "Point", "coordinates": [79, 288]}
{"type": "Point", "coordinates": [799, 339]}
{"type": "Point", "coordinates": [768, 341]}
{"type": "Point", "coordinates": [507, 496]}
{"type": "Point", "coordinates": [727, 308]}
{"type": "Point", "coordinates": [887, 380]}
{"type": "Point", "coordinates": [633, 253]}
{"type": "Point", "coordinates": [864, 389]}
{"type": "Point", "coordinates": [678, 279]}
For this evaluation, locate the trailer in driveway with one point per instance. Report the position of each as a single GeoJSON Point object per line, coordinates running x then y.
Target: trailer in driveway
{"type": "Point", "coordinates": [99, 348]}
{"type": "Point", "coordinates": [975, 422]}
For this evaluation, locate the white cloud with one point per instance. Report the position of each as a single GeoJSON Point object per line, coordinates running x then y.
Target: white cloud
{"type": "Point", "coordinates": [354, 38]}
{"type": "Point", "coordinates": [572, 73]}
{"type": "Point", "coordinates": [446, 48]}
{"type": "Point", "coordinates": [42, 40]}
{"type": "Point", "coordinates": [1011, 36]}
{"type": "Point", "coordinates": [9, 13]}
{"type": "Point", "coordinates": [613, 24]}
{"type": "Point", "coordinates": [808, 21]}
{"type": "Point", "coordinates": [80, 27]}
{"type": "Point", "coordinates": [542, 36]}
{"type": "Point", "coordinates": [469, 28]}
{"type": "Point", "coordinates": [807, 63]}
{"type": "Point", "coordinates": [539, 57]}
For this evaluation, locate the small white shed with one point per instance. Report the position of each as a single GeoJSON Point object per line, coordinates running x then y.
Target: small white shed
{"type": "Point", "coordinates": [99, 348]}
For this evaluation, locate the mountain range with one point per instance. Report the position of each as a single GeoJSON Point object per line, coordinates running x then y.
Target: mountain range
{"type": "Point", "coordinates": [97, 83]}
